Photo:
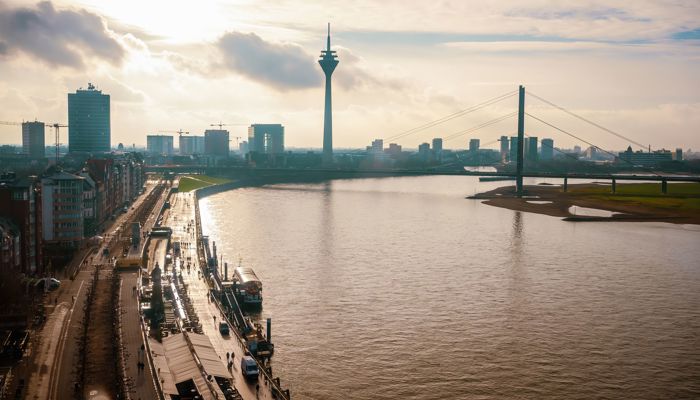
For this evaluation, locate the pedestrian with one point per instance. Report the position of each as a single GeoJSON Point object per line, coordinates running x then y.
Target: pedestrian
{"type": "Point", "coordinates": [228, 355]}
{"type": "Point", "coordinates": [55, 300]}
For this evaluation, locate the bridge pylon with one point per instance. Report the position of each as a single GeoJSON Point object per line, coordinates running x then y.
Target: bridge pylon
{"type": "Point", "coordinates": [521, 141]}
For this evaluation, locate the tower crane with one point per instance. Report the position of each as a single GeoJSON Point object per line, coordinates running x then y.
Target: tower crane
{"type": "Point", "coordinates": [179, 132]}
{"type": "Point", "coordinates": [220, 125]}
{"type": "Point", "coordinates": [56, 127]}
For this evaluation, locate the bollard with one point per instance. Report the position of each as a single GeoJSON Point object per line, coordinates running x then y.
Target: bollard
{"type": "Point", "coordinates": [269, 330]}
{"type": "Point", "coordinates": [614, 186]}
{"type": "Point", "coordinates": [664, 186]}
{"type": "Point", "coordinates": [566, 184]}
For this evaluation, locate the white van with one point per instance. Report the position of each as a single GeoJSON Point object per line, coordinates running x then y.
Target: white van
{"type": "Point", "coordinates": [249, 367]}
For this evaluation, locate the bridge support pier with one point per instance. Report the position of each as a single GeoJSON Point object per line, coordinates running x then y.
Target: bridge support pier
{"type": "Point", "coordinates": [664, 186]}
{"type": "Point", "coordinates": [566, 184]}
{"type": "Point", "coordinates": [614, 186]}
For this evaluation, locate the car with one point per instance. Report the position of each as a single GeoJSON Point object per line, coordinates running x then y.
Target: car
{"type": "Point", "coordinates": [223, 328]}
{"type": "Point", "coordinates": [48, 284]}
{"type": "Point", "coordinates": [249, 367]}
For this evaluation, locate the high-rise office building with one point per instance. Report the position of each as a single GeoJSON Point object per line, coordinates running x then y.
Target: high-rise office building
{"type": "Point", "coordinates": [504, 148]}
{"type": "Point", "coordinates": [159, 144]}
{"type": "Point", "coordinates": [33, 143]}
{"type": "Point", "coordinates": [243, 147]}
{"type": "Point", "coordinates": [474, 145]}
{"type": "Point", "coordinates": [437, 148]}
{"type": "Point", "coordinates": [531, 149]}
{"type": "Point", "coordinates": [88, 121]}
{"type": "Point", "coordinates": [328, 61]}
{"type": "Point", "coordinates": [266, 138]}
{"type": "Point", "coordinates": [377, 146]}
{"type": "Point", "coordinates": [547, 149]}
{"type": "Point", "coordinates": [216, 142]}
{"type": "Point", "coordinates": [513, 149]}
{"type": "Point", "coordinates": [424, 151]}
{"type": "Point", "coordinates": [190, 145]}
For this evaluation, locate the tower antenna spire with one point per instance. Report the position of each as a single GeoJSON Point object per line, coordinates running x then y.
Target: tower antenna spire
{"type": "Point", "coordinates": [328, 43]}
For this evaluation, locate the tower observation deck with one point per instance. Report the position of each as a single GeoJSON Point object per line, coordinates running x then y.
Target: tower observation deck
{"type": "Point", "coordinates": [328, 62]}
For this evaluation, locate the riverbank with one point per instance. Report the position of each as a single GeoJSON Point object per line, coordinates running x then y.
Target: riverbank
{"type": "Point", "coordinates": [634, 202]}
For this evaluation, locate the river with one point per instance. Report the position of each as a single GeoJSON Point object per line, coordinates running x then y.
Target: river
{"type": "Point", "coordinates": [401, 288]}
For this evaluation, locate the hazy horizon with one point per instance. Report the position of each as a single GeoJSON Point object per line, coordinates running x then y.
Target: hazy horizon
{"type": "Point", "coordinates": [630, 67]}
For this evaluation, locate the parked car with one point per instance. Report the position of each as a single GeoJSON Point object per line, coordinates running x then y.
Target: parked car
{"type": "Point", "coordinates": [223, 328]}
{"type": "Point", "coordinates": [249, 367]}
{"type": "Point", "coordinates": [48, 284]}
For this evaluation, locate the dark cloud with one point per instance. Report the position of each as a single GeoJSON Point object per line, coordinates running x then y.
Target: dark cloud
{"type": "Point", "coordinates": [282, 66]}
{"type": "Point", "coordinates": [59, 37]}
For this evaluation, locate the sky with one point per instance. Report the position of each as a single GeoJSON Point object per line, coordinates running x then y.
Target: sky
{"type": "Point", "coordinates": [631, 66]}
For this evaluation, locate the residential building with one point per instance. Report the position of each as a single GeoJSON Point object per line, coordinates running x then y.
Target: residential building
{"type": "Point", "coordinates": [20, 203]}
{"type": "Point", "coordinates": [678, 155]}
{"type": "Point", "coordinates": [90, 221]}
{"type": "Point", "coordinates": [216, 142]}
{"type": "Point", "coordinates": [88, 121]}
{"type": "Point", "coordinates": [159, 144]}
{"type": "Point", "coordinates": [547, 149]}
{"type": "Point", "coordinates": [266, 138]}
{"type": "Point", "coordinates": [394, 149]}
{"type": "Point", "coordinates": [62, 209]}
{"type": "Point", "coordinates": [10, 246]}
{"type": "Point", "coordinates": [33, 142]}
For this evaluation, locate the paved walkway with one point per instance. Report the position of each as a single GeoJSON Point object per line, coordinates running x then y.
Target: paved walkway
{"type": "Point", "coordinates": [140, 382]}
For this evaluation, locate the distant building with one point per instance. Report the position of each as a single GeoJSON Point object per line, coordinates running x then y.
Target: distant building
{"type": "Point", "coordinates": [10, 243]}
{"type": "Point", "coordinates": [62, 209]}
{"type": "Point", "coordinates": [20, 203]}
{"type": "Point", "coordinates": [642, 158]}
{"type": "Point", "coordinates": [577, 149]}
{"type": "Point", "coordinates": [216, 142]}
{"type": "Point", "coordinates": [678, 156]}
{"type": "Point", "coordinates": [190, 145]}
{"type": "Point", "coordinates": [504, 149]}
{"type": "Point", "coordinates": [243, 147]}
{"type": "Point", "coordinates": [531, 149]}
{"type": "Point", "coordinates": [266, 138]}
{"type": "Point", "coordinates": [474, 145]}
{"type": "Point", "coordinates": [88, 121]}
{"type": "Point", "coordinates": [159, 144]}
{"type": "Point", "coordinates": [33, 143]}
{"type": "Point", "coordinates": [394, 149]}
{"type": "Point", "coordinates": [424, 151]}
{"type": "Point", "coordinates": [547, 149]}
{"type": "Point", "coordinates": [377, 146]}
{"type": "Point", "coordinates": [513, 149]}
{"type": "Point", "coordinates": [591, 152]}
{"type": "Point", "coordinates": [437, 149]}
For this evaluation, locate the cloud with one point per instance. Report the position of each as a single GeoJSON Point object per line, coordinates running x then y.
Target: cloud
{"type": "Point", "coordinates": [282, 66]}
{"type": "Point", "coordinates": [58, 37]}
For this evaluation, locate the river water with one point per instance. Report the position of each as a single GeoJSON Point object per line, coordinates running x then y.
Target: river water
{"type": "Point", "coordinates": [401, 288]}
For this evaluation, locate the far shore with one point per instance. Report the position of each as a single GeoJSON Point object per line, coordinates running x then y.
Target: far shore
{"type": "Point", "coordinates": [634, 202]}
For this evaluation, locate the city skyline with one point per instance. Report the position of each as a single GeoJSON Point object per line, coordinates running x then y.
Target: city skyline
{"type": "Point", "coordinates": [593, 59]}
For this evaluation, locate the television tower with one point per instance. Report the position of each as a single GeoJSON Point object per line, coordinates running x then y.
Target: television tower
{"type": "Point", "coordinates": [328, 61]}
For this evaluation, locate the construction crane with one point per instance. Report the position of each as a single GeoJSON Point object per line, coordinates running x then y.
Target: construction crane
{"type": "Point", "coordinates": [237, 139]}
{"type": "Point", "coordinates": [179, 132]}
{"type": "Point", "coordinates": [56, 127]}
{"type": "Point", "coordinates": [221, 125]}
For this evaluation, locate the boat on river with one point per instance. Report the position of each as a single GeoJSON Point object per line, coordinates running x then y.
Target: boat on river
{"type": "Point", "coordinates": [248, 287]}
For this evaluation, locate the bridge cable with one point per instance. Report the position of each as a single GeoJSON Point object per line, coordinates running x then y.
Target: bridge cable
{"type": "Point", "coordinates": [589, 143]}
{"type": "Point", "coordinates": [484, 125]}
{"type": "Point", "coordinates": [587, 120]}
{"type": "Point", "coordinates": [452, 116]}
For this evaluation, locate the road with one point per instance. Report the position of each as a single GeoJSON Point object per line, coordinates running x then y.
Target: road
{"type": "Point", "coordinates": [52, 364]}
{"type": "Point", "coordinates": [181, 218]}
